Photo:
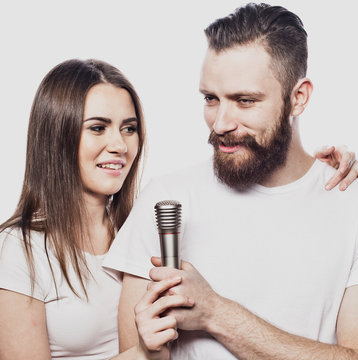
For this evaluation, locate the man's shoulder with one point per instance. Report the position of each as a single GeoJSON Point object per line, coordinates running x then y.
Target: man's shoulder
{"type": "Point", "coordinates": [179, 185]}
{"type": "Point", "coordinates": [189, 176]}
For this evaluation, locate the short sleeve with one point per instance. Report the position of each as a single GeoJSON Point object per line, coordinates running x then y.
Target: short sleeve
{"type": "Point", "coordinates": [14, 271]}
{"type": "Point", "coordinates": [353, 275]}
{"type": "Point", "coordinates": [138, 239]}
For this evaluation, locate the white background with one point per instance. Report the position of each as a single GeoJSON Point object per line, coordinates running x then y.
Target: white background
{"type": "Point", "coordinates": [159, 45]}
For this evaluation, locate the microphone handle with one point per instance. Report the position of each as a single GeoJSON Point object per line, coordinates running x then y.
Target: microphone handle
{"type": "Point", "coordinates": [169, 241]}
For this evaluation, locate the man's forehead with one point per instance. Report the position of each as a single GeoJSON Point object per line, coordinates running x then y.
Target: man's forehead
{"type": "Point", "coordinates": [239, 69]}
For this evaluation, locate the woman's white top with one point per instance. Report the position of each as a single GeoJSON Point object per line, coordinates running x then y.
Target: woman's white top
{"type": "Point", "coordinates": [77, 328]}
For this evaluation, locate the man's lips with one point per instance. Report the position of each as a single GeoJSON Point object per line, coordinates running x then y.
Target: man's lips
{"type": "Point", "coordinates": [229, 149]}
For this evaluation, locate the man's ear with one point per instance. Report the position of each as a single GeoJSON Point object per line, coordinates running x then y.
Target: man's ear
{"type": "Point", "coordinates": [301, 94]}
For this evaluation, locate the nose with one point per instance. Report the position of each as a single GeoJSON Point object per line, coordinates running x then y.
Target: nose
{"type": "Point", "coordinates": [116, 143]}
{"type": "Point", "coordinates": [225, 119]}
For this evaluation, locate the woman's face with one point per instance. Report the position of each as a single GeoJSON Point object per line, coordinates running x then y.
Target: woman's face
{"type": "Point", "coordinates": [109, 140]}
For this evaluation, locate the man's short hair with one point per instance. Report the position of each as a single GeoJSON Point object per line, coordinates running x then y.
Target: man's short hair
{"type": "Point", "coordinates": [278, 30]}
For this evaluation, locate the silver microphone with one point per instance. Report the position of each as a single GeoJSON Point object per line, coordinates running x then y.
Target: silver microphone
{"type": "Point", "coordinates": [168, 215]}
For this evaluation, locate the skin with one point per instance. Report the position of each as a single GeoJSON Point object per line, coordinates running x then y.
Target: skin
{"type": "Point", "coordinates": [344, 161]}
{"type": "Point", "coordinates": [243, 96]}
{"type": "Point", "coordinates": [248, 336]}
{"type": "Point", "coordinates": [252, 104]}
{"type": "Point", "coordinates": [108, 134]}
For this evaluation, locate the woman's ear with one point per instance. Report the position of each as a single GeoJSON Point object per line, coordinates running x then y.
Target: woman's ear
{"type": "Point", "coordinates": [301, 94]}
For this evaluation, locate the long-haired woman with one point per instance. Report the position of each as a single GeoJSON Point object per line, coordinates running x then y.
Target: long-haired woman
{"type": "Point", "coordinates": [84, 147]}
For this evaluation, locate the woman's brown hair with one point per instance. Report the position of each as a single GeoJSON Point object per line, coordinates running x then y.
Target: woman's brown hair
{"type": "Point", "coordinates": [51, 198]}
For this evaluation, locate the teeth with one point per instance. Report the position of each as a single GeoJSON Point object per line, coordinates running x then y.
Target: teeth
{"type": "Point", "coordinates": [110, 166]}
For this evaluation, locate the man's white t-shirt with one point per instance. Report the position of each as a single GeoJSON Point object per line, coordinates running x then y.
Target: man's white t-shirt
{"type": "Point", "coordinates": [77, 328]}
{"type": "Point", "coordinates": [286, 253]}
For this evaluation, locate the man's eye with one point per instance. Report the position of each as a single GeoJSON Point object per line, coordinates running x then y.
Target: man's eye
{"type": "Point", "coordinates": [246, 101]}
{"type": "Point", "coordinates": [209, 99]}
{"type": "Point", "coordinates": [97, 128]}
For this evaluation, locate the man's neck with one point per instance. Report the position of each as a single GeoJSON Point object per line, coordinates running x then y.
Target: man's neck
{"type": "Point", "coordinates": [298, 162]}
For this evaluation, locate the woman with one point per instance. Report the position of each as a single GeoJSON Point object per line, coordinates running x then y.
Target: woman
{"type": "Point", "coordinates": [85, 142]}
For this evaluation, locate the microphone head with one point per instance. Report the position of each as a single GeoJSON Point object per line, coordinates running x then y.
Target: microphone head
{"type": "Point", "coordinates": [168, 215]}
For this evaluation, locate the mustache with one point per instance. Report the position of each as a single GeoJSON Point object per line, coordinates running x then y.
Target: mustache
{"type": "Point", "coordinates": [232, 140]}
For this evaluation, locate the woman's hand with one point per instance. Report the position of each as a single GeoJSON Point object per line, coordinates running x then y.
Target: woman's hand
{"type": "Point", "coordinates": [155, 332]}
{"type": "Point", "coordinates": [341, 159]}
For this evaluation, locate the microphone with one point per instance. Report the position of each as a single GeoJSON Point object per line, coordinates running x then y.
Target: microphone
{"type": "Point", "coordinates": [168, 215]}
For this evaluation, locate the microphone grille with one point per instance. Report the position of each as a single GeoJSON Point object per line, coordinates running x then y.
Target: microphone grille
{"type": "Point", "coordinates": [168, 215]}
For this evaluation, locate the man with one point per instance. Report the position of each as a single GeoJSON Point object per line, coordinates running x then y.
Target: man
{"type": "Point", "coordinates": [273, 269]}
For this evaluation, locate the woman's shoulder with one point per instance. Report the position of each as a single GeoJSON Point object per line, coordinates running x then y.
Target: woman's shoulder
{"type": "Point", "coordinates": [13, 238]}
{"type": "Point", "coordinates": [15, 272]}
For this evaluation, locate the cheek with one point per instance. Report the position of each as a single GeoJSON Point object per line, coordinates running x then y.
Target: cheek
{"type": "Point", "coordinates": [209, 116]}
{"type": "Point", "coordinates": [88, 148]}
{"type": "Point", "coordinates": [82, 154]}
{"type": "Point", "coordinates": [132, 147]}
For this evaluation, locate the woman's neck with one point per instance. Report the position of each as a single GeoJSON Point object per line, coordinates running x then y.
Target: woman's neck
{"type": "Point", "coordinates": [98, 226]}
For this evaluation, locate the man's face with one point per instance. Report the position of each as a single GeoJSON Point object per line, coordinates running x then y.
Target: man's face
{"type": "Point", "coordinates": [245, 112]}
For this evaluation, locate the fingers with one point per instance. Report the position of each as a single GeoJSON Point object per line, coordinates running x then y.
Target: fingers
{"type": "Point", "coordinates": [346, 172]}
{"type": "Point", "coordinates": [163, 304]}
{"type": "Point", "coordinates": [154, 290]}
{"type": "Point", "coordinates": [346, 162]}
{"type": "Point", "coordinates": [162, 273]}
{"type": "Point", "coordinates": [334, 180]}
{"type": "Point", "coordinates": [323, 152]}
{"type": "Point", "coordinates": [155, 341]}
{"type": "Point", "coordinates": [156, 331]}
{"type": "Point", "coordinates": [156, 261]}
{"type": "Point", "coordinates": [156, 325]}
{"type": "Point", "coordinates": [352, 175]}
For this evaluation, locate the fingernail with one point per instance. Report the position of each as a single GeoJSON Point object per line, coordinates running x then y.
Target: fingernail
{"type": "Point", "coordinates": [328, 187]}
{"type": "Point", "coordinates": [177, 278]}
{"type": "Point", "coordinates": [343, 187]}
{"type": "Point", "coordinates": [191, 301]}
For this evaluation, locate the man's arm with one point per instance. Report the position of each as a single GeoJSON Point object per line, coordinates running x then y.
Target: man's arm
{"type": "Point", "coordinates": [246, 335]}
{"type": "Point", "coordinates": [249, 337]}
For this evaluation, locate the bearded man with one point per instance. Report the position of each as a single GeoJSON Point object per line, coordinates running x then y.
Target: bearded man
{"type": "Point", "coordinates": [270, 256]}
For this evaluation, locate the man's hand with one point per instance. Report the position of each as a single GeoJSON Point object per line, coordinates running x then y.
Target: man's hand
{"type": "Point", "coordinates": [193, 286]}
{"type": "Point", "coordinates": [341, 159]}
{"type": "Point", "coordinates": [246, 335]}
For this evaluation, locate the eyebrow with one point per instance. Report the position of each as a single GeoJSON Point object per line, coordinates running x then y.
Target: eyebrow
{"type": "Point", "coordinates": [256, 94]}
{"type": "Point", "coordinates": [108, 120]}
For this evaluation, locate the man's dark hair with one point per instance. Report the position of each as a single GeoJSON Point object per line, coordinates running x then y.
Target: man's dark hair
{"type": "Point", "coordinates": [278, 30]}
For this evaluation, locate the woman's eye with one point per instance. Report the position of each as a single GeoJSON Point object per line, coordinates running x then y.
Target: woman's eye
{"type": "Point", "coordinates": [97, 128]}
{"type": "Point", "coordinates": [130, 129]}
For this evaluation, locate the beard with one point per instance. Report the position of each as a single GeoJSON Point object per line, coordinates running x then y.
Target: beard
{"type": "Point", "coordinates": [256, 162]}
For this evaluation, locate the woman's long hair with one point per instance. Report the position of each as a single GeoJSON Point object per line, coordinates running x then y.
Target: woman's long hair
{"type": "Point", "coordinates": [51, 198]}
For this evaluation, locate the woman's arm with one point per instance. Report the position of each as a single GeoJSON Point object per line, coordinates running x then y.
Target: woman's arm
{"type": "Point", "coordinates": [154, 331]}
{"type": "Point", "coordinates": [342, 159]}
{"type": "Point", "coordinates": [23, 332]}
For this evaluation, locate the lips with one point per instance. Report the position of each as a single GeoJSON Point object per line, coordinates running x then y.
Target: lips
{"type": "Point", "coordinates": [229, 149]}
{"type": "Point", "coordinates": [112, 164]}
